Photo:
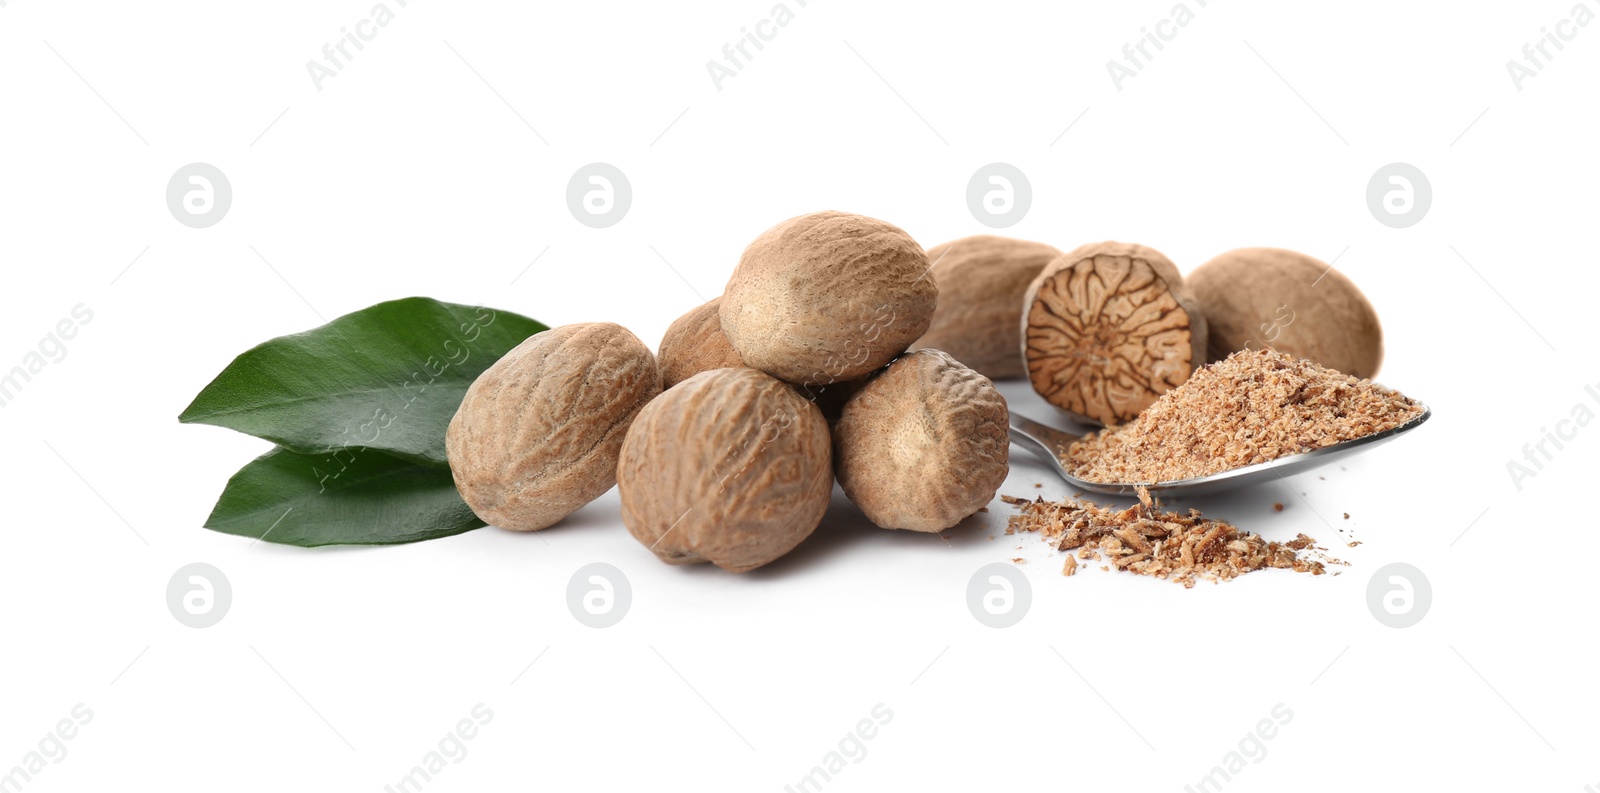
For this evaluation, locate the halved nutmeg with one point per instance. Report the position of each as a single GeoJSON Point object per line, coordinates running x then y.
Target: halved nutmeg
{"type": "Point", "coordinates": [1108, 328]}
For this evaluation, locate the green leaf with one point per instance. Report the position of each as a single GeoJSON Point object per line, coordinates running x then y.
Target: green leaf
{"type": "Point", "coordinates": [348, 497]}
{"type": "Point", "coordinates": [388, 377]}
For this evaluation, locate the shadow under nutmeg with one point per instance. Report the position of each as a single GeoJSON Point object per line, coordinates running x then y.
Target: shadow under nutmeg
{"type": "Point", "coordinates": [844, 527]}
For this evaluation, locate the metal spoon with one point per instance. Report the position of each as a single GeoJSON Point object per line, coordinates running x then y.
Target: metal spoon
{"type": "Point", "coordinates": [1050, 443]}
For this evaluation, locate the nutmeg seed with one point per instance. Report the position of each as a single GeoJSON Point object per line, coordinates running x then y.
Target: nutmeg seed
{"type": "Point", "coordinates": [539, 432]}
{"type": "Point", "coordinates": [827, 297]}
{"type": "Point", "coordinates": [694, 343]}
{"type": "Point", "coordinates": [1291, 302]}
{"type": "Point", "coordinates": [730, 467]}
{"type": "Point", "coordinates": [981, 281]}
{"type": "Point", "coordinates": [924, 444]}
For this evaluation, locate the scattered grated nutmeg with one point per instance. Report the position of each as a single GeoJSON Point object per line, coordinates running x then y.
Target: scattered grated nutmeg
{"type": "Point", "coordinates": [1142, 539]}
{"type": "Point", "coordinates": [1253, 406]}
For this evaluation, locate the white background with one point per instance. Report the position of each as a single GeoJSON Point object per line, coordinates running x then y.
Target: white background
{"type": "Point", "coordinates": [420, 169]}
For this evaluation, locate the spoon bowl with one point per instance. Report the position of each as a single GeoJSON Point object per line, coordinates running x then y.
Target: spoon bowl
{"type": "Point", "coordinates": [1051, 443]}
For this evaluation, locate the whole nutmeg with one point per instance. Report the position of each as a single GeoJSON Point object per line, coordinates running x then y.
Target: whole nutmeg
{"type": "Point", "coordinates": [730, 467]}
{"type": "Point", "coordinates": [1107, 329]}
{"type": "Point", "coordinates": [694, 343]}
{"type": "Point", "coordinates": [539, 432]}
{"type": "Point", "coordinates": [1291, 302]}
{"type": "Point", "coordinates": [981, 282]}
{"type": "Point", "coordinates": [924, 444]}
{"type": "Point", "coordinates": [827, 297]}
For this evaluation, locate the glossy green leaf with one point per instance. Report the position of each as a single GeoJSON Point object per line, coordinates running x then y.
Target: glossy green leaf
{"type": "Point", "coordinates": [388, 378]}
{"type": "Point", "coordinates": [348, 497]}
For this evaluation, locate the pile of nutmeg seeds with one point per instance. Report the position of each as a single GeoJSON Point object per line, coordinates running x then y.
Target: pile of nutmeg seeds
{"type": "Point", "coordinates": [842, 351]}
{"type": "Point", "coordinates": [726, 447]}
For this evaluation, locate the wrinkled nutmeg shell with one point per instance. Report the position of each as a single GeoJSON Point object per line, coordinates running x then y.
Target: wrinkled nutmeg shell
{"type": "Point", "coordinates": [1291, 302]}
{"type": "Point", "coordinates": [730, 467]}
{"type": "Point", "coordinates": [924, 444]}
{"type": "Point", "coordinates": [981, 282]}
{"type": "Point", "coordinates": [827, 297]}
{"type": "Point", "coordinates": [538, 434]}
{"type": "Point", "coordinates": [694, 343]}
